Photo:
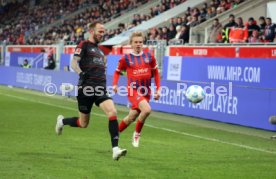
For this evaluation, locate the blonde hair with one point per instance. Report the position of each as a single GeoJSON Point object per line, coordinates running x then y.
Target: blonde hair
{"type": "Point", "coordinates": [136, 34]}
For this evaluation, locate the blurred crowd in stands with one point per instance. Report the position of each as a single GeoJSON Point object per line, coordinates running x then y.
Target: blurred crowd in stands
{"type": "Point", "coordinates": [75, 29]}
{"type": "Point", "coordinates": [179, 28]}
{"type": "Point", "coordinates": [21, 21]}
{"type": "Point", "coordinates": [236, 31]}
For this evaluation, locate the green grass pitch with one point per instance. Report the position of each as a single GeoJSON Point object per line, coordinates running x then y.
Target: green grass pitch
{"type": "Point", "coordinates": [171, 146]}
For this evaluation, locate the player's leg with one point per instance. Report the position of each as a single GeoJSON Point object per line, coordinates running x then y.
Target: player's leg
{"type": "Point", "coordinates": [85, 104]}
{"type": "Point", "coordinates": [131, 117]}
{"type": "Point", "coordinates": [145, 112]}
{"type": "Point", "coordinates": [133, 113]}
{"type": "Point", "coordinates": [82, 122]}
{"type": "Point", "coordinates": [109, 109]}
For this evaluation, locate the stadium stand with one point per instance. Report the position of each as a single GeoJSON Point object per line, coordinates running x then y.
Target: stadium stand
{"type": "Point", "coordinates": [50, 23]}
{"type": "Point", "coordinates": [102, 14]}
{"type": "Point", "coordinates": [178, 28]}
{"type": "Point", "coordinates": [26, 28]}
{"type": "Point", "coordinates": [247, 9]}
{"type": "Point", "coordinates": [28, 18]}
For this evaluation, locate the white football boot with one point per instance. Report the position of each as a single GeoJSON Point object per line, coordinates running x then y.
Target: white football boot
{"type": "Point", "coordinates": [118, 153]}
{"type": "Point", "coordinates": [135, 139]}
{"type": "Point", "coordinates": [59, 125]}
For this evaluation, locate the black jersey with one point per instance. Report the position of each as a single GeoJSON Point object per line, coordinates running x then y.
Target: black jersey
{"type": "Point", "coordinates": [92, 63]}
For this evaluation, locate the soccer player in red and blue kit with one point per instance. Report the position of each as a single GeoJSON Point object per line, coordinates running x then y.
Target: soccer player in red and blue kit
{"type": "Point", "coordinates": [140, 68]}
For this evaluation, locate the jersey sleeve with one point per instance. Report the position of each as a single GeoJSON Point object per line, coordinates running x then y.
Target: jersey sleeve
{"type": "Point", "coordinates": [155, 72]}
{"type": "Point", "coordinates": [153, 63]}
{"type": "Point", "coordinates": [79, 51]}
{"type": "Point", "coordinates": [121, 65]}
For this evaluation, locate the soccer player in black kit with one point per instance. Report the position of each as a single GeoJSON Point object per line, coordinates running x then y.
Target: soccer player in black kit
{"type": "Point", "coordinates": [89, 62]}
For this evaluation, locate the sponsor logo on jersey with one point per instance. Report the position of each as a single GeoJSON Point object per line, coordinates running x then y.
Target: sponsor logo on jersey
{"type": "Point", "coordinates": [98, 61]}
{"type": "Point", "coordinates": [140, 71]}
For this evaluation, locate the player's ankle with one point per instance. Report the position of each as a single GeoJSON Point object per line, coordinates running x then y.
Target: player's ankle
{"type": "Point", "coordinates": [115, 148]}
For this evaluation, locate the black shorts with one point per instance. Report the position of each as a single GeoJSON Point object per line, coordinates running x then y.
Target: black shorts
{"type": "Point", "coordinates": [86, 99]}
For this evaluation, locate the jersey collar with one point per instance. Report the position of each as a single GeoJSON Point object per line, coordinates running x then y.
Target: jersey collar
{"type": "Point", "coordinates": [139, 54]}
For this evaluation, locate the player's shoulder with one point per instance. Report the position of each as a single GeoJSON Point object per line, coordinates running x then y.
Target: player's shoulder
{"type": "Point", "coordinates": [125, 56]}
{"type": "Point", "coordinates": [83, 43]}
{"type": "Point", "coordinates": [149, 56]}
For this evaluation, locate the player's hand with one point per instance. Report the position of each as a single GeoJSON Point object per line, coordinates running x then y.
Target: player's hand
{"type": "Point", "coordinates": [82, 78]}
{"type": "Point", "coordinates": [157, 95]}
{"type": "Point", "coordinates": [82, 75]}
{"type": "Point", "coordinates": [115, 88]}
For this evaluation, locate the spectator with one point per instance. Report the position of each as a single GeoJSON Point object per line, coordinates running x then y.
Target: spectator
{"type": "Point", "coordinates": [51, 62]}
{"type": "Point", "coordinates": [185, 34]}
{"type": "Point", "coordinates": [164, 34]}
{"type": "Point", "coordinates": [210, 13]}
{"type": "Point", "coordinates": [178, 32]}
{"type": "Point", "coordinates": [228, 4]}
{"type": "Point", "coordinates": [238, 33]}
{"type": "Point", "coordinates": [227, 28]}
{"type": "Point", "coordinates": [251, 26]}
{"type": "Point", "coordinates": [254, 38]}
{"type": "Point", "coordinates": [215, 32]}
{"type": "Point", "coordinates": [262, 24]}
{"type": "Point", "coordinates": [26, 64]}
{"type": "Point", "coordinates": [269, 33]}
{"type": "Point", "coordinates": [194, 21]}
{"type": "Point", "coordinates": [171, 32]}
{"type": "Point", "coordinates": [203, 14]}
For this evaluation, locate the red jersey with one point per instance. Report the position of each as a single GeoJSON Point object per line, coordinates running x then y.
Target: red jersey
{"type": "Point", "coordinates": [139, 70]}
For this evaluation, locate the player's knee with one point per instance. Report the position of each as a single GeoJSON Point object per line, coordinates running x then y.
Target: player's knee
{"type": "Point", "coordinates": [146, 111]}
{"type": "Point", "coordinates": [131, 119]}
{"type": "Point", "coordinates": [112, 112]}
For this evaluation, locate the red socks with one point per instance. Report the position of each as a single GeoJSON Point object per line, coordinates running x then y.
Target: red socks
{"type": "Point", "coordinates": [122, 126]}
{"type": "Point", "coordinates": [78, 122]}
{"type": "Point", "coordinates": [139, 126]}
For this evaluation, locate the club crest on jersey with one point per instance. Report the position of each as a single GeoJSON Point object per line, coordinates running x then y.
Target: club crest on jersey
{"type": "Point", "coordinates": [146, 60]}
{"type": "Point", "coordinates": [78, 51]}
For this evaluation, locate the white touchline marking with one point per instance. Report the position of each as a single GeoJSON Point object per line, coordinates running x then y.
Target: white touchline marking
{"type": "Point", "coordinates": [212, 139]}
{"type": "Point", "coordinates": [154, 127]}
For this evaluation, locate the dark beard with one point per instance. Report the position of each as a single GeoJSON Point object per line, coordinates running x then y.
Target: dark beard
{"type": "Point", "coordinates": [96, 39]}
